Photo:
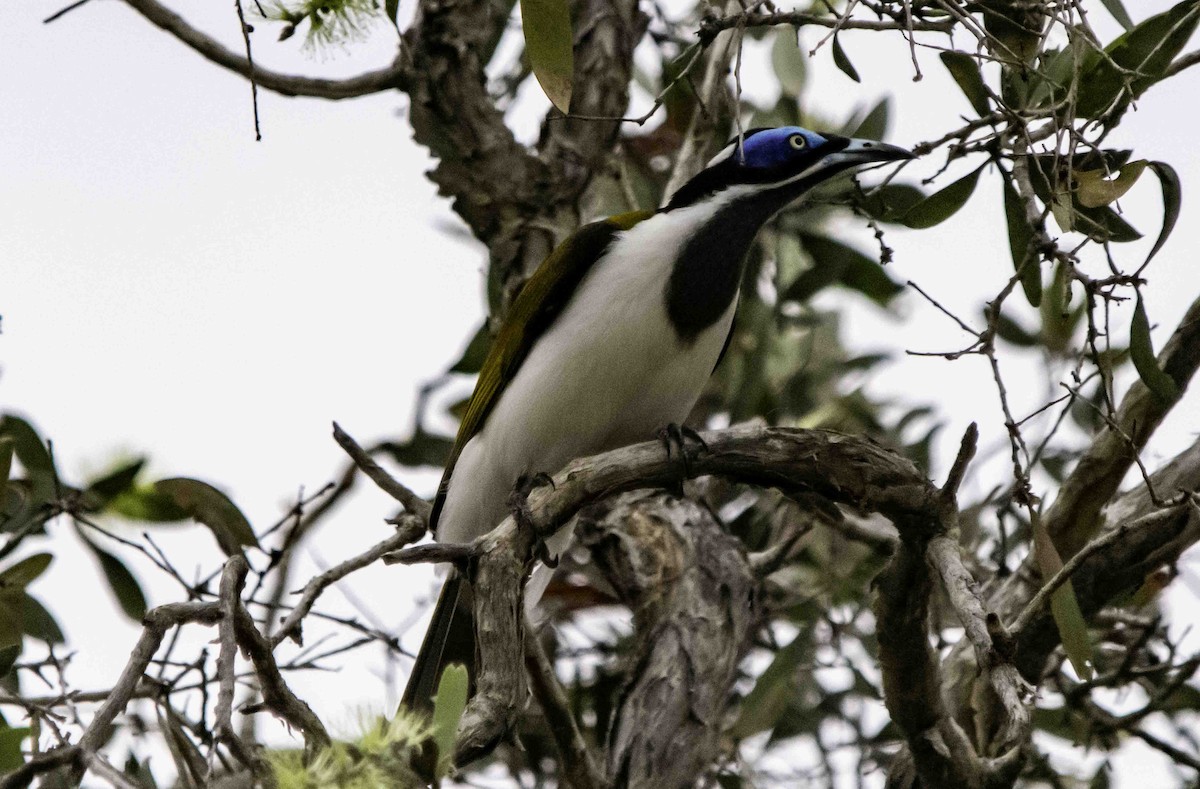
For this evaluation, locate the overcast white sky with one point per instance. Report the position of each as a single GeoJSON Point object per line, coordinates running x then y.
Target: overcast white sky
{"type": "Point", "coordinates": [169, 286]}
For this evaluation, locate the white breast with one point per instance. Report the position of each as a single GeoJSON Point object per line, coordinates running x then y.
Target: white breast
{"type": "Point", "coordinates": [610, 371]}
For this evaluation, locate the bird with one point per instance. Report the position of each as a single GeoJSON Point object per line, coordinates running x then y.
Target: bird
{"type": "Point", "coordinates": [610, 342]}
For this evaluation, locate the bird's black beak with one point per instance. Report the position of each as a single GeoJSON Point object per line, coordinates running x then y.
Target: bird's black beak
{"type": "Point", "coordinates": [864, 151]}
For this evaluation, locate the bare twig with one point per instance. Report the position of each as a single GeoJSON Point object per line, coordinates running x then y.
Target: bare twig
{"type": "Point", "coordinates": [291, 626]}
{"type": "Point", "coordinates": [386, 482]}
{"type": "Point", "coordinates": [249, 67]}
{"type": "Point", "coordinates": [578, 763]}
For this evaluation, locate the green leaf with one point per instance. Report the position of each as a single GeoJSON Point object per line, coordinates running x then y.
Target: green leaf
{"type": "Point", "coordinates": [448, 706]}
{"type": "Point", "coordinates": [1012, 332]}
{"type": "Point", "coordinates": [1144, 361]}
{"type": "Point", "coordinates": [965, 71]}
{"type": "Point", "coordinates": [891, 202]}
{"type": "Point", "coordinates": [35, 458]}
{"type": "Point", "coordinates": [423, 449]}
{"type": "Point", "coordinates": [836, 262]}
{"type": "Point", "coordinates": [1052, 79]}
{"type": "Point", "coordinates": [1094, 188]}
{"type": "Point", "coordinates": [548, 45]}
{"type": "Point", "coordinates": [1118, 12]}
{"type": "Point", "coordinates": [25, 571]}
{"type": "Point", "coordinates": [769, 697]}
{"type": "Point", "coordinates": [1135, 60]}
{"type": "Point", "coordinates": [1058, 319]}
{"type": "Point", "coordinates": [943, 204]}
{"type": "Point", "coordinates": [843, 62]}
{"type": "Point", "coordinates": [10, 621]}
{"type": "Point", "coordinates": [144, 503]}
{"type": "Point", "coordinates": [1020, 241]}
{"type": "Point", "coordinates": [476, 351]}
{"type": "Point", "coordinates": [6, 456]}
{"type": "Point", "coordinates": [1172, 193]}
{"type": "Point", "coordinates": [122, 582]}
{"type": "Point", "coordinates": [8, 658]}
{"type": "Point", "coordinates": [392, 9]}
{"type": "Point", "coordinates": [1103, 224]}
{"type": "Point", "coordinates": [101, 491]}
{"type": "Point", "coordinates": [789, 62]}
{"type": "Point", "coordinates": [27, 444]}
{"type": "Point", "coordinates": [874, 124]}
{"type": "Point", "coordinates": [1015, 27]}
{"type": "Point", "coordinates": [36, 621]}
{"type": "Point", "coordinates": [213, 508]}
{"type": "Point", "coordinates": [1072, 628]}
{"type": "Point", "coordinates": [10, 748]}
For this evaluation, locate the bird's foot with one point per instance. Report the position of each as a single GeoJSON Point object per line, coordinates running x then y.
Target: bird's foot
{"type": "Point", "coordinates": [675, 438]}
{"type": "Point", "coordinates": [518, 503]}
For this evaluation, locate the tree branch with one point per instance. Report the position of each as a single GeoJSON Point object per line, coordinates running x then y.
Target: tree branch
{"type": "Point", "coordinates": [578, 764]}
{"type": "Point", "coordinates": [291, 626]}
{"type": "Point", "coordinates": [843, 469]}
{"type": "Point", "coordinates": [1075, 514]}
{"type": "Point", "coordinates": [389, 78]}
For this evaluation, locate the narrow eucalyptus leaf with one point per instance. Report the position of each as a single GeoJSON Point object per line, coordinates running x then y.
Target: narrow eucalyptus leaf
{"type": "Point", "coordinates": [448, 706]}
{"type": "Point", "coordinates": [874, 124]}
{"type": "Point", "coordinates": [1172, 194]}
{"type": "Point", "coordinates": [144, 503]}
{"type": "Point", "coordinates": [11, 756]}
{"type": "Point", "coordinates": [1012, 332]}
{"type": "Point", "coordinates": [474, 354]}
{"type": "Point", "coordinates": [211, 507]}
{"type": "Point", "coordinates": [965, 71]}
{"type": "Point", "coordinates": [1020, 242]}
{"type": "Point", "coordinates": [104, 489]}
{"type": "Point", "coordinates": [1135, 60]}
{"type": "Point", "coordinates": [789, 62]}
{"type": "Point", "coordinates": [1117, 9]}
{"type": "Point", "coordinates": [1103, 224]}
{"type": "Point", "coordinates": [943, 204]}
{"type": "Point", "coordinates": [36, 621]}
{"type": "Point", "coordinates": [842, 61]}
{"type": "Point", "coordinates": [769, 697]}
{"type": "Point", "coordinates": [27, 444]}
{"type": "Point", "coordinates": [25, 571]}
{"type": "Point", "coordinates": [891, 202]}
{"type": "Point", "coordinates": [8, 658]}
{"type": "Point", "coordinates": [844, 265]}
{"type": "Point", "coordinates": [1094, 188]}
{"type": "Point", "coordinates": [1064, 606]}
{"type": "Point", "coordinates": [1141, 350]}
{"type": "Point", "coordinates": [549, 47]}
{"type": "Point", "coordinates": [6, 456]}
{"type": "Point", "coordinates": [122, 582]}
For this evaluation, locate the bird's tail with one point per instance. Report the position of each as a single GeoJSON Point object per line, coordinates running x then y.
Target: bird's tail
{"type": "Point", "coordinates": [450, 639]}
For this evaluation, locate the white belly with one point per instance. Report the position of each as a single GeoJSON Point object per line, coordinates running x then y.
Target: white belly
{"type": "Point", "coordinates": [609, 372]}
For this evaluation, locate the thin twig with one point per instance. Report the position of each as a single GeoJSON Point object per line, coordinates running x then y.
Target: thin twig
{"type": "Point", "coordinates": [386, 482]}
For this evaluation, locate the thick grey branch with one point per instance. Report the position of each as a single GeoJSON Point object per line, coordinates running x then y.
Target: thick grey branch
{"type": "Point", "coordinates": [843, 469]}
{"type": "Point", "coordinates": [693, 594]}
{"type": "Point", "coordinates": [1075, 514]}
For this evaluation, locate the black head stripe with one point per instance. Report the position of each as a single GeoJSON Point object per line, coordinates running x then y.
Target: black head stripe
{"type": "Point", "coordinates": [730, 172]}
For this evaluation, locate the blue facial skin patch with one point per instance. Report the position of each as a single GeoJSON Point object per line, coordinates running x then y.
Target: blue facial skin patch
{"type": "Point", "coordinates": [773, 147]}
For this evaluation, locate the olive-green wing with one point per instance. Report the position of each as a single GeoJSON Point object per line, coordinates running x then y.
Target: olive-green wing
{"type": "Point", "coordinates": [538, 305]}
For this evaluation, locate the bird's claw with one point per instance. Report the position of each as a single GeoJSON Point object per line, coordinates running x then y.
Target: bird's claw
{"type": "Point", "coordinates": [518, 502]}
{"type": "Point", "coordinates": [676, 436]}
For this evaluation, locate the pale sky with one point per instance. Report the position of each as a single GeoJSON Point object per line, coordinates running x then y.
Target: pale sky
{"type": "Point", "coordinates": [171, 287]}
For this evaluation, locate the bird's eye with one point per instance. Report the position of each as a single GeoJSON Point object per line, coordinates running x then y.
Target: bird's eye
{"type": "Point", "coordinates": [797, 142]}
